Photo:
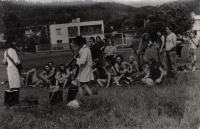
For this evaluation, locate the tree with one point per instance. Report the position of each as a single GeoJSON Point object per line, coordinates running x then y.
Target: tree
{"type": "Point", "coordinates": [170, 14]}
{"type": "Point", "coordinates": [12, 22]}
{"type": "Point", "coordinates": [43, 37]}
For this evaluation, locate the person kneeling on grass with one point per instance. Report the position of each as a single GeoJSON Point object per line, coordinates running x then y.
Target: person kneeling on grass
{"type": "Point", "coordinates": [62, 76]}
{"type": "Point", "coordinates": [154, 74]}
{"type": "Point", "coordinates": [107, 72]}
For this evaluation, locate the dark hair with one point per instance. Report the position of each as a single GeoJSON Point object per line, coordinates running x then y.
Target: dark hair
{"type": "Point", "coordinates": [170, 27]}
{"type": "Point", "coordinates": [48, 66]}
{"type": "Point", "coordinates": [111, 42]}
{"type": "Point", "coordinates": [9, 45]}
{"type": "Point", "coordinates": [192, 33]}
{"type": "Point", "coordinates": [98, 37]}
{"type": "Point", "coordinates": [144, 35]}
{"type": "Point", "coordinates": [120, 57]}
{"type": "Point", "coordinates": [70, 66]}
{"type": "Point", "coordinates": [93, 39]}
{"type": "Point", "coordinates": [80, 40]}
{"type": "Point", "coordinates": [51, 62]}
{"type": "Point", "coordinates": [108, 61]}
{"type": "Point", "coordinates": [153, 60]}
{"type": "Point", "coordinates": [61, 69]}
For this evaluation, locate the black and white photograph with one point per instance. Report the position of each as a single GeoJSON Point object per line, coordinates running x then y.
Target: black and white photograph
{"type": "Point", "coordinates": [100, 64]}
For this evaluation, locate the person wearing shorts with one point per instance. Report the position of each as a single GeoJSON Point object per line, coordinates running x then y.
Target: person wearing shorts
{"type": "Point", "coordinates": [193, 45]}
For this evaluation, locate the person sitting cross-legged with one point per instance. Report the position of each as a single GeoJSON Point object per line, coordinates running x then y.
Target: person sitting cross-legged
{"type": "Point", "coordinates": [154, 74]}
{"type": "Point", "coordinates": [62, 76]}
{"type": "Point", "coordinates": [107, 73]}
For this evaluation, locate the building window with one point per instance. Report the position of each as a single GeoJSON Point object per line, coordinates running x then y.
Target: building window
{"type": "Point", "coordinates": [195, 22]}
{"type": "Point", "coordinates": [59, 41]}
{"type": "Point", "coordinates": [198, 22]}
{"type": "Point", "coordinates": [58, 31]}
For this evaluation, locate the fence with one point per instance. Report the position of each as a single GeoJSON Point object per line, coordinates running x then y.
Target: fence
{"type": "Point", "coordinates": [118, 38]}
{"type": "Point", "coordinates": [52, 47]}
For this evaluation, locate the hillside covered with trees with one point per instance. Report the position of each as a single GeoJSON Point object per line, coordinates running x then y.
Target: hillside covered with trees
{"type": "Point", "coordinates": [114, 14]}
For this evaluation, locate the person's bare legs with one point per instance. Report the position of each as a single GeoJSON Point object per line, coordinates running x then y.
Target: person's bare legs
{"type": "Point", "coordinates": [99, 81]}
{"type": "Point", "coordinates": [64, 85]}
{"type": "Point", "coordinates": [119, 78]}
{"type": "Point", "coordinates": [56, 82]}
{"type": "Point", "coordinates": [109, 79]}
{"type": "Point", "coordinates": [116, 80]}
{"type": "Point", "coordinates": [89, 91]}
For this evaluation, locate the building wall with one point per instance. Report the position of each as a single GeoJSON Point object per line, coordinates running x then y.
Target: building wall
{"type": "Point", "coordinates": [72, 30]}
{"type": "Point", "coordinates": [54, 36]}
{"type": "Point", "coordinates": [196, 26]}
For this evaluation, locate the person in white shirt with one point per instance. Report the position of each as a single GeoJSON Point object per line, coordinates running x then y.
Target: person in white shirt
{"type": "Point", "coordinates": [193, 45]}
{"type": "Point", "coordinates": [110, 52]}
{"type": "Point", "coordinates": [12, 72]}
{"type": "Point", "coordinates": [171, 51]}
{"type": "Point", "coordinates": [84, 62]}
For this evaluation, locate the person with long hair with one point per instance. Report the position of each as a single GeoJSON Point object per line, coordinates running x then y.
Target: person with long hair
{"type": "Point", "coordinates": [12, 60]}
{"type": "Point", "coordinates": [161, 50]}
{"type": "Point", "coordinates": [62, 76]}
{"type": "Point", "coordinates": [110, 52]}
{"type": "Point", "coordinates": [144, 43]}
{"type": "Point", "coordinates": [98, 49]}
{"type": "Point", "coordinates": [155, 73]}
{"type": "Point", "coordinates": [192, 48]}
{"type": "Point", "coordinates": [45, 75]}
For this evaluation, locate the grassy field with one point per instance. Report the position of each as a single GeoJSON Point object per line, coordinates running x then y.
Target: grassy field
{"type": "Point", "coordinates": [172, 105]}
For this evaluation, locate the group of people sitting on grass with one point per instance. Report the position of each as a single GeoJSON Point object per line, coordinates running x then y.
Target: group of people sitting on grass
{"type": "Point", "coordinates": [108, 68]}
{"type": "Point", "coordinates": [49, 76]}
{"type": "Point", "coordinates": [105, 74]}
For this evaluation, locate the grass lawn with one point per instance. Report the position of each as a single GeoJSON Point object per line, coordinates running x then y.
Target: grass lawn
{"type": "Point", "coordinates": [172, 105]}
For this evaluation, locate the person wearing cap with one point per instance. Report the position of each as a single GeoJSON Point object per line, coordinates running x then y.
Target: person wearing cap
{"type": "Point", "coordinates": [84, 61]}
{"type": "Point", "coordinates": [155, 73]}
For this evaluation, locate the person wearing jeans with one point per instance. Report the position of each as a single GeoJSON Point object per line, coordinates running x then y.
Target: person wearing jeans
{"type": "Point", "coordinates": [171, 50]}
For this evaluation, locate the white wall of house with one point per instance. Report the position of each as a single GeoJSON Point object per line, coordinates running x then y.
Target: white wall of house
{"type": "Point", "coordinates": [68, 31]}
{"type": "Point", "coordinates": [196, 26]}
{"type": "Point", "coordinates": [58, 32]}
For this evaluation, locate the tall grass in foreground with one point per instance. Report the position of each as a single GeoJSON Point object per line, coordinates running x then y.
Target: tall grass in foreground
{"type": "Point", "coordinates": [171, 105]}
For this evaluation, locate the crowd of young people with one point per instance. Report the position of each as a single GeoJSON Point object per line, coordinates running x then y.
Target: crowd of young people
{"type": "Point", "coordinates": [99, 61]}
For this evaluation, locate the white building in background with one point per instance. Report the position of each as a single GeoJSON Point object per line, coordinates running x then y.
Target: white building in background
{"type": "Point", "coordinates": [65, 33]}
{"type": "Point", "coordinates": [196, 26]}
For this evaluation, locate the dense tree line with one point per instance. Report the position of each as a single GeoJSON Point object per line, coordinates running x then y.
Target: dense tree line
{"type": "Point", "coordinates": [120, 16]}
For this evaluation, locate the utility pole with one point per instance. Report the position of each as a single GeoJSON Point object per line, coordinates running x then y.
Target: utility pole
{"type": "Point", "coordinates": [198, 7]}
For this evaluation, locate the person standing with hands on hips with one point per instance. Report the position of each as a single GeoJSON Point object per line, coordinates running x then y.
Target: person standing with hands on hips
{"type": "Point", "coordinates": [12, 60]}
{"type": "Point", "coordinates": [84, 61]}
